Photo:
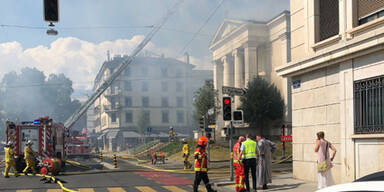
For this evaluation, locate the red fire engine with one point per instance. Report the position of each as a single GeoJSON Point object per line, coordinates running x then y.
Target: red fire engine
{"type": "Point", "coordinates": [48, 142]}
{"type": "Point", "coordinates": [78, 146]}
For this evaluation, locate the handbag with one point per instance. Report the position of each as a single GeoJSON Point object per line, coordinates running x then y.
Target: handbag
{"type": "Point", "coordinates": [323, 166]}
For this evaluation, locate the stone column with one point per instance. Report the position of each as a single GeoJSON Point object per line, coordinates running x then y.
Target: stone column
{"type": "Point", "coordinates": [238, 58]}
{"type": "Point", "coordinates": [286, 86]}
{"type": "Point", "coordinates": [250, 62]}
{"type": "Point", "coordinates": [228, 71]}
{"type": "Point", "coordinates": [218, 84]}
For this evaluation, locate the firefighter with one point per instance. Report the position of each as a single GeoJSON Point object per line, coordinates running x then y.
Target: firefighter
{"type": "Point", "coordinates": [187, 164]}
{"type": "Point", "coordinates": [29, 156]}
{"type": "Point", "coordinates": [238, 165]}
{"type": "Point", "coordinates": [9, 159]}
{"type": "Point", "coordinates": [201, 168]}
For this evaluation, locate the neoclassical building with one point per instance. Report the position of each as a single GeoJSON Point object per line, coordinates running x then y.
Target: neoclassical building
{"type": "Point", "coordinates": [337, 75]}
{"type": "Point", "coordinates": [245, 49]}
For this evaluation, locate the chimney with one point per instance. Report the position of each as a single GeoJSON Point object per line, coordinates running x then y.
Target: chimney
{"type": "Point", "coordinates": [186, 57]}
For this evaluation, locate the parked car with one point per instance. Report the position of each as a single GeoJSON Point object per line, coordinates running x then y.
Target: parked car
{"type": "Point", "coordinates": [369, 183]}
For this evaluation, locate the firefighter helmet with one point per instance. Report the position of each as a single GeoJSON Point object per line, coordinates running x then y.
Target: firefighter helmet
{"type": "Point", "coordinates": [29, 142]}
{"type": "Point", "coordinates": [202, 141]}
{"type": "Point", "coordinates": [10, 143]}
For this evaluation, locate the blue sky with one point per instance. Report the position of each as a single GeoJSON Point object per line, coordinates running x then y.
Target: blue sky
{"type": "Point", "coordinates": [77, 16]}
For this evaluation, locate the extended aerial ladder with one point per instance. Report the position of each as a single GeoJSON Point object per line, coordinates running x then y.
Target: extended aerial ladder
{"type": "Point", "coordinates": [84, 107]}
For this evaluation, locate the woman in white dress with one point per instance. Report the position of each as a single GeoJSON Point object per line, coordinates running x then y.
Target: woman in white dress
{"type": "Point", "coordinates": [324, 178]}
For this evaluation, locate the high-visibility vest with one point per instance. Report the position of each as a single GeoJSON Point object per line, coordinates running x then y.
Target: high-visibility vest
{"type": "Point", "coordinates": [9, 153]}
{"type": "Point", "coordinates": [236, 152]}
{"type": "Point", "coordinates": [249, 149]}
{"type": "Point", "coordinates": [200, 159]}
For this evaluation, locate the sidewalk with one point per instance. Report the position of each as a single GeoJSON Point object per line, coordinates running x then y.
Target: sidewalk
{"type": "Point", "coordinates": [280, 182]}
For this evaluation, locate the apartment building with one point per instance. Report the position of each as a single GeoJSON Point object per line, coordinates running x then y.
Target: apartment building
{"type": "Point", "coordinates": [155, 90]}
{"type": "Point", "coordinates": [337, 77]}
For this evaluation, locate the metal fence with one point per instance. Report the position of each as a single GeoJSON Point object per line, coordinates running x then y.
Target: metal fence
{"type": "Point", "coordinates": [369, 105]}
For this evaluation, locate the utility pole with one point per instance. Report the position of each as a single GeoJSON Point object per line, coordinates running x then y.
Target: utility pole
{"type": "Point", "coordinates": [231, 151]}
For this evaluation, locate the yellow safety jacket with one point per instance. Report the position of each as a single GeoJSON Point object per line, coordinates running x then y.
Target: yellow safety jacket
{"type": "Point", "coordinates": [249, 149]}
{"type": "Point", "coordinates": [29, 154]}
{"type": "Point", "coordinates": [9, 154]}
{"type": "Point", "coordinates": [186, 149]}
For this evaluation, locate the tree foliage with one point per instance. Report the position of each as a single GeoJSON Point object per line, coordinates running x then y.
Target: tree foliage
{"type": "Point", "coordinates": [203, 100]}
{"type": "Point", "coordinates": [261, 103]}
{"type": "Point", "coordinates": [30, 94]}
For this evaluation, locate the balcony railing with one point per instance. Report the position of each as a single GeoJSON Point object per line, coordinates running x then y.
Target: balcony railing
{"type": "Point", "coordinates": [109, 93]}
{"type": "Point", "coordinates": [110, 108]}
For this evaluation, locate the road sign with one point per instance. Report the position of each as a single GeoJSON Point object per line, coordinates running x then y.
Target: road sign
{"type": "Point", "coordinates": [285, 138]}
{"type": "Point", "coordinates": [233, 91]}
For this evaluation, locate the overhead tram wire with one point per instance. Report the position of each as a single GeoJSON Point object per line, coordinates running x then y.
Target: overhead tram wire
{"type": "Point", "coordinates": [101, 27]}
{"type": "Point", "coordinates": [201, 27]}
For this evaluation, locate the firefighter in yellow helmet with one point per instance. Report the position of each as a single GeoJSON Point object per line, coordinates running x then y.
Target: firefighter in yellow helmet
{"type": "Point", "coordinates": [187, 164]}
{"type": "Point", "coordinates": [9, 159]}
{"type": "Point", "coordinates": [29, 156]}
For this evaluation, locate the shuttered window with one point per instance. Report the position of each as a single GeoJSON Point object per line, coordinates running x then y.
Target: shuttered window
{"type": "Point", "coordinates": [329, 18]}
{"type": "Point", "coordinates": [369, 10]}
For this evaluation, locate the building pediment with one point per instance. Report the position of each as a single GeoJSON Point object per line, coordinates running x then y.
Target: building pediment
{"type": "Point", "coordinates": [226, 28]}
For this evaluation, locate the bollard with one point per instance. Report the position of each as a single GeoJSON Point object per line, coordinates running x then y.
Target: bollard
{"type": "Point", "coordinates": [114, 161]}
{"type": "Point", "coordinates": [101, 156]}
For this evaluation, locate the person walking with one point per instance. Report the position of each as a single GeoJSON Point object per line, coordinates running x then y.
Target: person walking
{"type": "Point", "coordinates": [9, 160]}
{"type": "Point", "coordinates": [201, 168]}
{"type": "Point", "coordinates": [248, 153]}
{"type": "Point", "coordinates": [29, 156]}
{"type": "Point", "coordinates": [324, 162]}
{"type": "Point", "coordinates": [238, 166]}
{"type": "Point", "coordinates": [187, 164]}
{"type": "Point", "coordinates": [264, 164]}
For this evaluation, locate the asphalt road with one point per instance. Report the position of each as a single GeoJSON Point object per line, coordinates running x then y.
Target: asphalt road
{"type": "Point", "coordinates": [137, 179]}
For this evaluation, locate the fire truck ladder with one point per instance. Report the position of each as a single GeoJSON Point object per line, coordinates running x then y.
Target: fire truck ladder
{"type": "Point", "coordinates": [84, 107]}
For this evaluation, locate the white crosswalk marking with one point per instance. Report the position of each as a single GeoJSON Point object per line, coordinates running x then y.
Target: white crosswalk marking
{"type": "Point", "coordinates": [174, 189]}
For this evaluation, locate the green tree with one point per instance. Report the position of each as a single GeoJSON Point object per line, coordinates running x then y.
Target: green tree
{"type": "Point", "coordinates": [30, 95]}
{"type": "Point", "coordinates": [261, 104]}
{"type": "Point", "coordinates": [142, 123]}
{"type": "Point", "coordinates": [203, 100]}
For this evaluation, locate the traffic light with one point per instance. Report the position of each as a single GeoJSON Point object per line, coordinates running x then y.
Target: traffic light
{"type": "Point", "coordinates": [227, 109]}
{"type": "Point", "coordinates": [51, 10]}
{"type": "Point", "coordinates": [202, 122]}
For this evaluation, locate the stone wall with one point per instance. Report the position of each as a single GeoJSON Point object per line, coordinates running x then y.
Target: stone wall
{"type": "Point", "coordinates": [315, 107]}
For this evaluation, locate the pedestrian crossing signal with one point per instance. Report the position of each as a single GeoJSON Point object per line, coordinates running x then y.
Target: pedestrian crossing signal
{"type": "Point", "coordinates": [202, 122]}
{"type": "Point", "coordinates": [227, 109]}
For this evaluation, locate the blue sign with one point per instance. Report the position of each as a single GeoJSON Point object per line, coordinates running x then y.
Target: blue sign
{"type": "Point", "coordinates": [296, 84]}
{"type": "Point", "coordinates": [149, 129]}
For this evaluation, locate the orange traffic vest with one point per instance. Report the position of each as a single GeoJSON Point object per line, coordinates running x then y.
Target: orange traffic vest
{"type": "Point", "coordinates": [236, 152]}
{"type": "Point", "coordinates": [200, 159]}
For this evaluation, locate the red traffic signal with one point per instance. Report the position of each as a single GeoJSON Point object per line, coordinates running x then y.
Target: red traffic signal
{"type": "Point", "coordinates": [227, 109]}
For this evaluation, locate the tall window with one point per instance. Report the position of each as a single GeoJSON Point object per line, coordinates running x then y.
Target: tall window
{"type": "Point", "coordinates": [369, 10]}
{"type": "Point", "coordinates": [180, 101]}
{"type": "Point", "coordinates": [128, 117]}
{"type": "Point", "coordinates": [127, 71]}
{"type": "Point", "coordinates": [179, 86]}
{"type": "Point", "coordinates": [329, 19]}
{"type": "Point", "coordinates": [145, 101]}
{"type": "Point", "coordinates": [164, 72]}
{"type": "Point", "coordinates": [164, 86]}
{"type": "Point", "coordinates": [147, 116]}
{"type": "Point", "coordinates": [164, 101]}
{"type": "Point", "coordinates": [128, 101]}
{"type": "Point", "coordinates": [165, 117]}
{"type": "Point", "coordinates": [369, 105]}
{"type": "Point", "coordinates": [144, 86]}
{"type": "Point", "coordinates": [180, 116]}
{"type": "Point", "coordinates": [113, 117]}
{"type": "Point", "coordinates": [128, 86]}
{"type": "Point", "coordinates": [144, 71]}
